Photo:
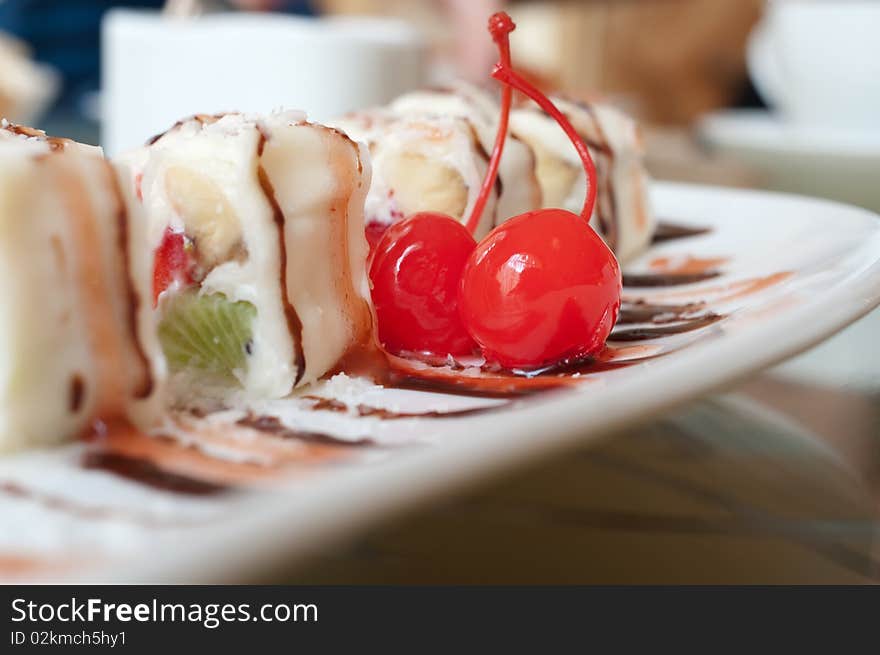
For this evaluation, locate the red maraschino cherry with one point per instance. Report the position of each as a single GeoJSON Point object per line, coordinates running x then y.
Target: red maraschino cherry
{"type": "Point", "coordinates": [416, 276]}
{"type": "Point", "coordinates": [542, 287]}
{"type": "Point", "coordinates": [418, 262]}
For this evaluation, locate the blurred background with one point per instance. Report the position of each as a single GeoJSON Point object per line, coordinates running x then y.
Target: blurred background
{"type": "Point", "coordinates": [776, 482]}
{"type": "Point", "coordinates": [688, 69]}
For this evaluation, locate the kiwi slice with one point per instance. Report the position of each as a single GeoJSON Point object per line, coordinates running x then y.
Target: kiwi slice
{"type": "Point", "coordinates": [208, 334]}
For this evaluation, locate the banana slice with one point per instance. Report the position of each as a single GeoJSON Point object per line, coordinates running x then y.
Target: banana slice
{"type": "Point", "coordinates": [208, 218]}
{"type": "Point", "coordinates": [423, 184]}
{"type": "Point", "coordinates": [421, 163]}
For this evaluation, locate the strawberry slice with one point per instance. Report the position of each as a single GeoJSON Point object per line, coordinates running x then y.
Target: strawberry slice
{"type": "Point", "coordinates": [173, 263]}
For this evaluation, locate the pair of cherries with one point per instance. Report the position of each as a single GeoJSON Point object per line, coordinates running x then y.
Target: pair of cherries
{"type": "Point", "coordinates": [540, 289]}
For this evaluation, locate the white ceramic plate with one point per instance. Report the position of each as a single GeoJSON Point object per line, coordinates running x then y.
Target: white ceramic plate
{"type": "Point", "coordinates": [791, 272]}
{"type": "Point", "coordinates": [830, 162]}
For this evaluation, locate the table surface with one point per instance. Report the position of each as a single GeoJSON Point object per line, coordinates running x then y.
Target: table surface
{"type": "Point", "coordinates": [775, 481]}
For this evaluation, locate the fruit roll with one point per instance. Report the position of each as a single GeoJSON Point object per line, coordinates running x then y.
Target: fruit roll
{"type": "Point", "coordinates": [420, 163]}
{"type": "Point", "coordinates": [623, 213]}
{"type": "Point", "coordinates": [256, 233]}
{"type": "Point", "coordinates": [71, 304]}
{"type": "Point", "coordinates": [517, 175]}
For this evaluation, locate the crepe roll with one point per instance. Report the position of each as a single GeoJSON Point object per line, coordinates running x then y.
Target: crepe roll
{"type": "Point", "coordinates": [254, 229]}
{"type": "Point", "coordinates": [623, 213]}
{"type": "Point", "coordinates": [517, 174]}
{"type": "Point", "coordinates": [72, 351]}
{"type": "Point", "coordinates": [420, 163]}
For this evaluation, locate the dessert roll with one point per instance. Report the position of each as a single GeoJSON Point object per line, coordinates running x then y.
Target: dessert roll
{"type": "Point", "coordinates": [254, 232]}
{"type": "Point", "coordinates": [520, 189]}
{"type": "Point", "coordinates": [420, 163]}
{"type": "Point", "coordinates": [623, 214]}
{"type": "Point", "coordinates": [72, 351]}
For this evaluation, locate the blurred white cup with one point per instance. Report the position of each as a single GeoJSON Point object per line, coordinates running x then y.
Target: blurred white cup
{"type": "Point", "coordinates": [818, 61]}
{"type": "Point", "coordinates": [157, 69]}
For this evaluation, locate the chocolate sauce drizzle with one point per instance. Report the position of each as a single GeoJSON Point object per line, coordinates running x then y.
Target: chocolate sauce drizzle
{"type": "Point", "coordinates": [294, 323]}
{"type": "Point", "coordinates": [606, 209]}
{"type": "Point", "coordinates": [272, 425]}
{"type": "Point", "coordinates": [145, 387]}
{"type": "Point", "coordinates": [146, 472]}
{"type": "Point", "coordinates": [586, 365]}
{"type": "Point", "coordinates": [666, 231]}
{"type": "Point", "coordinates": [77, 392]}
{"type": "Point", "coordinates": [508, 388]}
{"type": "Point", "coordinates": [654, 332]}
{"type": "Point", "coordinates": [55, 143]}
{"type": "Point", "coordinates": [332, 405]}
{"type": "Point", "coordinates": [641, 311]}
{"type": "Point", "coordinates": [486, 157]}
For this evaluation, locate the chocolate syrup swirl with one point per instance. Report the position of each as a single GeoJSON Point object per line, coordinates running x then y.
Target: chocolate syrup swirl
{"type": "Point", "coordinates": [654, 332]}
{"type": "Point", "coordinates": [272, 425]}
{"type": "Point", "coordinates": [294, 323]}
{"type": "Point", "coordinates": [509, 387]}
{"type": "Point", "coordinates": [145, 386]}
{"type": "Point", "coordinates": [606, 209]}
{"type": "Point", "coordinates": [143, 471]}
{"type": "Point", "coordinates": [486, 157]}
{"type": "Point", "coordinates": [641, 311]}
{"type": "Point", "coordinates": [77, 393]}
{"type": "Point", "coordinates": [361, 410]}
{"type": "Point", "coordinates": [666, 231]}
{"type": "Point", "coordinates": [55, 143]}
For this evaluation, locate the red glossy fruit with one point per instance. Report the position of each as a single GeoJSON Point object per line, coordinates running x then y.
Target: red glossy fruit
{"type": "Point", "coordinates": [416, 274]}
{"type": "Point", "coordinates": [172, 263]}
{"type": "Point", "coordinates": [540, 289]}
{"type": "Point", "coordinates": [374, 232]}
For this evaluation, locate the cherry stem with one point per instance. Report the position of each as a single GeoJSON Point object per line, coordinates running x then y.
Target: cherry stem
{"type": "Point", "coordinates": [500, 27]}
{"type": "Point", "coordinates": [510, 78]}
